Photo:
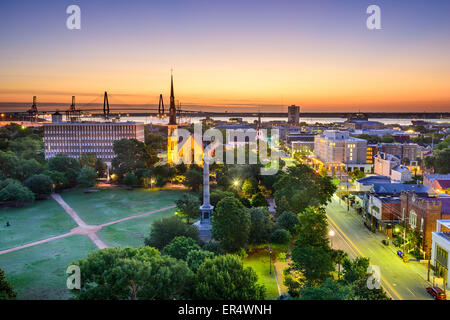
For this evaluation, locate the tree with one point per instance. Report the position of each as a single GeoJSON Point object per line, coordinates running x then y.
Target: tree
{"type": "Point", "coordinates": [287, 220]}
{"type": "Point", "coordinates": [165, 230]}
{"type": "Point", "coordinates": [87, 177]}
{"type": "Point", "coordinates": [130, 179]}
{"type": "Point", "coordinates": [188, 207]}
{"type": "Point", "coordinates": [88, 160]}
{"type": "Point", "coordinates": [338, 257]}
{"type": "Point", "coordinates": [6, 289]}
{"type": "Point", "coordinates": [281, 236]}
{"type": "Point", "coordinates": [27, 168]}
{"type": "Point", "coordinates": [250, 186]}
{"type": "Point", "coordinates": [312, 229]}
{"type": "Point", "coordinates": [261, 225]}
{"type": "Point", "coordinates": [144, 176]}
{"type": "Point", "coordinates": [439, 161]}
{"type": "Point", "coordinates": [28, 148]}
{"type": "Point", "coordinates": [129, 274]}
{"type": "Point", "coordinates": [100, 167]}
{"type": "Point", "coordinates": [356, 275]}
{"type": "Point", "coordinates": [225, 278]}
{"type": "Point", "coordinates": [356, 174]}
{"type": "Point", "coordinates": [41, 185]}
{"type": "Point", "coordinates": [323, 171]}
{"type": "Point", "coordinates": [13, 191]}
{"type": "Point", "coordinates": [70, 167]}
{"type": "Point", "coordinates": [132, 154]}
{"type": "Point", "coordinates": [180, 247]}
{"type": "Point", "coordinates": [314, 263]}
{"type": "Point", "coordinates": [194, 179]}
{"type": "Point", "coordinates": [155, 140]}
{"type": "Point", "coordinates": [329, 290]}
{"type": "Point", "coordinates": [387, 138]}
{"type": "Point", "coordinates": [258, 200]}
{"type": "Point", "coordinates": [195, 258]}
{"type": "Point", "coordinates": [58, 178]}
{"type": "Point", "coordinates": [302, 187]}
{"type": "Point", "coordinates": [231, 224]}
{"type": "Point", "coordinates": [218, 195]}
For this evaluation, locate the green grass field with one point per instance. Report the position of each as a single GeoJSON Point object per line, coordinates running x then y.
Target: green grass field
{"type": "Point", "coordinates": [39, 272]}
{"type": "Point", "coordinates": [38, 221]}
{"type": "Point", "coordinates": [113, 204]}
{"type": "Point", "coordinates": [260, 263]}
{"type": "Point", "coordinates": [132, 232]}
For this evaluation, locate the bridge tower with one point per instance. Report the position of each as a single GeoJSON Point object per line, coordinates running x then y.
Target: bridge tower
{"type": "Point", "coordinates": [106, 106]}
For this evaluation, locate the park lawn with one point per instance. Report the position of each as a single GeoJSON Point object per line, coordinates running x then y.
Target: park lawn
{"type": "Point", "coordinates": [260, 264]}
{"type": "Point", "coordinates": [108, 205]}
{"type": "Point", "coordinates": [38, 272]}
{"type": "Point", "coordinates": [131, 232]}
{"type": "Point", "coordinates": [38, 221]}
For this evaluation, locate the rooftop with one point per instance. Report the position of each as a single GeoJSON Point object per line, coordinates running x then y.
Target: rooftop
{"type": "Point", "coordinates": [399, 187]}
{"type": "Point", "coordinates": [374, 179]}
{"type": "Point", "coordinates": [432, 177]}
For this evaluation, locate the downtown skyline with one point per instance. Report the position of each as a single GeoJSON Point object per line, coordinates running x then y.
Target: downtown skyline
{"type": "Point", "coordinates": [234, 55]}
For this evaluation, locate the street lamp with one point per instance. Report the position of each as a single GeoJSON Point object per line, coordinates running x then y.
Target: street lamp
{"type": "Point", "coordinates": [331, 234]}
{"type": "Point", "coordinates": [152, 181]}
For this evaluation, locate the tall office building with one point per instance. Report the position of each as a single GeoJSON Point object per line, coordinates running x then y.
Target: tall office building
{"type": "Point", "coordinates": [74, 139]}
{"type": "Point", "coordinates": [293, 114]}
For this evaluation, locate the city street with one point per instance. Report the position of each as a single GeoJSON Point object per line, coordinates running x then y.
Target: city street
{"type": "Point", "coordinates": [403, 281]}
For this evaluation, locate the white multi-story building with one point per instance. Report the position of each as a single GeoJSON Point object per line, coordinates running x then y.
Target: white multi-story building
{"type": "Point", "coordinates": [337, 149]}
{"type": "Point", "coordinates": [440, 250]}
{"type": "Point", "coordinates": [74, 139]}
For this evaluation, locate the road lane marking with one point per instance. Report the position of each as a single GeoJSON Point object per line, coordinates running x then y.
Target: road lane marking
{"type": "Point", "coordinates": [348, 239]}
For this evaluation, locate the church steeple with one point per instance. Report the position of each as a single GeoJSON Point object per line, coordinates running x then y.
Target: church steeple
{"type": "Point", "coordinates": [172, 109]}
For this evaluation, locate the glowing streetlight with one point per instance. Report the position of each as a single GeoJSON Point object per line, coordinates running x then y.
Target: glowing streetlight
{"type": "Point", "coordinates": [331, 234]}
{"type": "Point", "coordinates": [236, 183]}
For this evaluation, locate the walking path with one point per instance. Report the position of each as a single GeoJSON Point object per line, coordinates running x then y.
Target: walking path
{"type": "Point", "coordinates": [83, 228]}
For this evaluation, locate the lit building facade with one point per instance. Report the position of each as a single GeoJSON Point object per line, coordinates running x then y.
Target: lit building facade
{"type": "Point", "coordinates": [440, 257]}
{"type": "Point", "coordinates": [336, 149]}
{"type": "Point", "coordinates": [76, 139]}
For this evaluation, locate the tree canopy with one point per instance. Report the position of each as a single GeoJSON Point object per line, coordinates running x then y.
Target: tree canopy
{"type": "Point", "coordinates": [231, 224]}
{"type": "Point", "coordinates": [163, 231]}
{"type": "Point", "coordinates": [188, 207]}
{"type": "Point", "coordinates": [303, 187]}
{"type": "Point", "coordinates": [180, 247]}
{"type": "Point", "coordinates": [129, 274]}
{"type": "Point", "coordinates": [225, 278]}
{"type": "Point", "coordinates": [6, 289]}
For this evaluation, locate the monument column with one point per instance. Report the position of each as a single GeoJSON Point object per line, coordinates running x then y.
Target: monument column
{"type": "Point", "coordinates": [206, 208]}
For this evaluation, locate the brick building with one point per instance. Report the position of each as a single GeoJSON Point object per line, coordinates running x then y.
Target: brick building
{"type": "Point", "coordinates": [410, 151]}
{"type": "Point", "coordinates": [421, 214]}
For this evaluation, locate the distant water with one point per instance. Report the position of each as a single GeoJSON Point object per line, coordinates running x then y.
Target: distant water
{"type": "Point", "coordinates": [156, 120]}
{"type": "Point", "coordinates": [20, 107]}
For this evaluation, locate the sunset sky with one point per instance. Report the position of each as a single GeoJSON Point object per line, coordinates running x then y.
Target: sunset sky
{"type": "Point", "coordinates": [262, 54]}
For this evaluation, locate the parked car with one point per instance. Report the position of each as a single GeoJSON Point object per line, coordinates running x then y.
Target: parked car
{"type": "Point", "coordinates": [437, 293]}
